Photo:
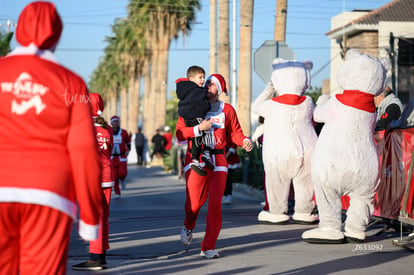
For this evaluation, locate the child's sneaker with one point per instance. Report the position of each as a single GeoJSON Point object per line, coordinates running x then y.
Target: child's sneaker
{"type": "Point", "coordinates": [196, 166]}
{"type": "Point", "coordinates": [207, 160]}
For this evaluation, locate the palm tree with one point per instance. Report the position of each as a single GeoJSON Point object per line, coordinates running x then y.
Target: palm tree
{"type": "Point", "coordinates": [5, 43]}
{"type": "Point", "coordinates": [280, 22]}
{"type": "Point", "coordinates": [224, 44]}
{"type": "Point", "coordinates": [245, 65]}
{"type": "Point", "coordinates": [165, 20]}
{"type": "Point", "coordinates": [213, 36]}
{"type": "Point", "coordinates": [139, 50]}
{"type": "Point", "coordinates": [139, 18]}
{"type": "Point", "coordinates": [171, 22]}
{"type": "Point", "coordinates": [104, 80]}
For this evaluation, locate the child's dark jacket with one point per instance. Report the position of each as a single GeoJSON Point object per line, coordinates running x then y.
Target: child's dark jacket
{"type": "Point", "coordinates": [193, 100]}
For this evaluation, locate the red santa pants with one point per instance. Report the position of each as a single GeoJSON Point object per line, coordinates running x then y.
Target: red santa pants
{"type": "Point", "coordinates": [120, 171]}
{"type": "Point", "coordinates": [101, 244]}
{"type": "Point", "coordinates": [198, 189]}
{"type": "Point", "coordinates": [34, 239]}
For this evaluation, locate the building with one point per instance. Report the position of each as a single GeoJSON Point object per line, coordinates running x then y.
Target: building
{"type": "Point", "coordinates": [386, 32]}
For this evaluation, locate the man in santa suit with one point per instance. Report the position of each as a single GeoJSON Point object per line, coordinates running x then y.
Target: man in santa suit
{"type": "Point", "coordinates": [222, 122]}
{"type": "Point", "coordinates": [98, 247]}
{"type": "Point", "coordinates": [120, 151]}
{"type": "Point", "coordinates": [47, 170]}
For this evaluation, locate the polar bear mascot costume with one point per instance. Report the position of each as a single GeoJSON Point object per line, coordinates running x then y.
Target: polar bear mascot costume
{"type": "Point", "coordinates": [288, 141]}
{"type": "Point", "coordinates": [345, 160]}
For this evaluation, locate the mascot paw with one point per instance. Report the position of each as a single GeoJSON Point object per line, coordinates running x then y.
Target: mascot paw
{"type": "Point", "coordinates": [323, 236]}
{"type": "Point", "coordinates": [353, 237]}
{"type": "Point", "coordinates": [305, 218]}
{"type": "Point", "coordinates": [266, 217]}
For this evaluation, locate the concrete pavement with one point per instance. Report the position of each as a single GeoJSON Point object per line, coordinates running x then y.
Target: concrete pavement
{"type": "Point", "coordinates": [146, 221]}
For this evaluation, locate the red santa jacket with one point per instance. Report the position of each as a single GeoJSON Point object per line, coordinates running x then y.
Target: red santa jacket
{"type": "Point", "coordinates": [105, 144]}
{"type": "Point", "coordinates": [48, 150]}
{"type": "Point", "coordinates": [122, 143]}
{"type": "Point", "coordinates": [225, 124]}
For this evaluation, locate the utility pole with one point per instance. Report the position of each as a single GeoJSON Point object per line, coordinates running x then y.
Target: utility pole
{"type": "Point", "coordinates": [9, 24]}
{"type": "Point", "coordinates": [213, 36]}
{"type": "Point", "coordinates": [234, 70]}
{"type": "Point", "coordinates": [392, 59]}
{"type": "Point", "coordinates": [280, 22]}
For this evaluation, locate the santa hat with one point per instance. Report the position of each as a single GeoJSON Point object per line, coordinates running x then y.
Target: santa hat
{"type": "Point", "coordinates": [39, 24]}
{"type": "Point", "coordinates": [218, 79]}
{"type": "Point", "coordinates": [97, 104]}
{"type": "Point", "coordinates": [114, 118]}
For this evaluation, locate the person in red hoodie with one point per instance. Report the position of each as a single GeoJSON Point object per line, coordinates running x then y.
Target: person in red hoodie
{"type": "Point", "coordinates": [168, 138]}
{"type": "Point", "coordinates": [47, 170]}
{"type": "Point", "coordinates": [98, 247]}
{"type": "Point", "coordinates": [222, 123]}
{"type": "Point", "coordinates": [120, 151]}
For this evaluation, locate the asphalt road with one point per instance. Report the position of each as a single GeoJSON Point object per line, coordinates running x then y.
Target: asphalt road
{"type": "Point", "coordinates": [146, 221]}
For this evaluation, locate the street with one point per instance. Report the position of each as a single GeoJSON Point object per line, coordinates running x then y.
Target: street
{"type": "Point", "coordinates": [146, 221]}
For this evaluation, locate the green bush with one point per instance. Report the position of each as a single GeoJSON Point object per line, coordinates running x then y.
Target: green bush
{"type": "Point", "coordinates": [170, 160]}
{"type": "Point", "coordinates": [252, 170]}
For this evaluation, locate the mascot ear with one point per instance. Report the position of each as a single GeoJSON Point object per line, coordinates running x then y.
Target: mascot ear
{"type": "Point", "coordinates": [352, 53]}
{"type": "Point", "coordinates": [278, 60]}
{"type": "Point", "coordinates": [308, 65]}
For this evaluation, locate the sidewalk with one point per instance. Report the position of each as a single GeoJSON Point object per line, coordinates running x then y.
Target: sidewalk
{"type": "Point", "coordinates": [144, 237]}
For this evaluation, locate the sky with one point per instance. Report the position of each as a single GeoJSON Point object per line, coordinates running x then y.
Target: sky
{"type": "Point", "coordinates": [88, 22]}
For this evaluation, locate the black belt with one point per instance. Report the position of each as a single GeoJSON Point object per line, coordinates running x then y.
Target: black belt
{"type": "Point", "coordinates": [213, 151]}
{"type": "Point", "coordinates": [217, 151]}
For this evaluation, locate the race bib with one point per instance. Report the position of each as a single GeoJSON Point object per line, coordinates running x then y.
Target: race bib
{"type": "Point", "coordinates": [117, 139]}
{"type": "Point", "coordinates": [218, 121]}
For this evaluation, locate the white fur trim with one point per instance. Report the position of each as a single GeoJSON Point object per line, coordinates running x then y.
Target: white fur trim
{"type": "Point", "coordinates": [234, 166]}
{"type": "Point", "coordinates": [217, 82]}
{"type": "Point", "coordinates": [220, 169]}
{"type": "Point", "coordinates": [33, 50]}
{"type": "Point", "coordinates": [107, 184]}
{"type": "Point", "coordinates": [88, 232]}
{"type": "Point", "coordinates": [40, 197]}
{"type": "Point", "coordinates": [196, 131]}
{"type": "Point", "coordinates": [216, 169]}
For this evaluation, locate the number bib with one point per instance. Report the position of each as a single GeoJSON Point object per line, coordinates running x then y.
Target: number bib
{"type": "Point", "coordinates": [118, 139]}
{"type": "Point", "coordinates": [218, 121]}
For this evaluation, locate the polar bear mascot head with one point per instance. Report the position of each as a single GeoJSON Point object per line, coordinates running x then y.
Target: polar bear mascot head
{"type": "Point", "coordinates": [290, 76]}
{"type": "Point", "coordinates": [362, 72]}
